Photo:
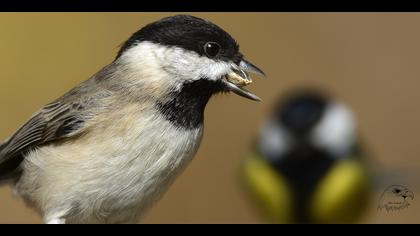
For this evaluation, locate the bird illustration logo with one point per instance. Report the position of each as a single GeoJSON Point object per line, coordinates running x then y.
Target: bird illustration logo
{"type": "Point", "coordinates": [395, 197]}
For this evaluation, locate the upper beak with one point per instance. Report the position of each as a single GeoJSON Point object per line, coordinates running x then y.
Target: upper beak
{"type": "Point", "coordinates": [239, 77]}
{"type": "Point", "coordinates": [408, 194]}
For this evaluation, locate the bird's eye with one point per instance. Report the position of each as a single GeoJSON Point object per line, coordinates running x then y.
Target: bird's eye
{"type": "Point", "coordinates": [212, 49]}
{"type": "Point", "coordinates": [397, 191]}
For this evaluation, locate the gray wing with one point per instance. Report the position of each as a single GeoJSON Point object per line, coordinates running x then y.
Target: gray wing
{"type": "Point", "coordinates": [62, 119]}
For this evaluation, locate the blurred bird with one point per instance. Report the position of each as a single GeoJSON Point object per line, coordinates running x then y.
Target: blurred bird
{"type": "Point", "coordinates": [109, 148]}
{"type": "Point", "coordinates": [307, 165]}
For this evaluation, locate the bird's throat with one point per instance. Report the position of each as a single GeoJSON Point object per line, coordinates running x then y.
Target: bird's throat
{"type": "Point", "coordinates": [185, 107]}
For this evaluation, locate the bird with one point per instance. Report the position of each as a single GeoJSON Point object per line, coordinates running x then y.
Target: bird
{"type": "Point", "coordinates": [395, 197]}
{"type": "Point", "coordinates": [107, 150]}
{"type": "Point", "coordinates": [306, 164]}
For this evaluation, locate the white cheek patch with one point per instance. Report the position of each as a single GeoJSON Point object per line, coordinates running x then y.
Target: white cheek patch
{"type": "Point", "coordinates": [176, 62]}
{"type": "Point", "coordinates": [143, 60]}
{"type": "Point", "coordinates": [336, 130]}
{"type": "Point", "coordinates": [274, 140]}
{"type": "Point", "coordinates": [189, 65]}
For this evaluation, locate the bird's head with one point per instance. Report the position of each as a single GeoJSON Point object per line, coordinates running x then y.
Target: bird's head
{"type": "Point", "coordinates": [395, 197]}
{"type": "Point", "coordinates": [399, 191]}
{"type": "Point", "coordinates": [183, 49]}
{"type": "Point", "coordinates": [305, 120]}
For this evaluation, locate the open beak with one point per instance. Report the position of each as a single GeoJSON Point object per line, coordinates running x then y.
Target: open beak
{"type": "Point", "coordinates": [408, 194]}
{"type": "Point", "coordinates": [239, 78]}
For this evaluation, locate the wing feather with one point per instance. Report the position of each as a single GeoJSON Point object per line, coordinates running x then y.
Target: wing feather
{"type": "Point", "coordinates": [62, 119]}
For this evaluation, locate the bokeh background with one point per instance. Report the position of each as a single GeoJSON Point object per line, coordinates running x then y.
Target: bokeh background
{"type": "Point", "coordinates": [371, 61]}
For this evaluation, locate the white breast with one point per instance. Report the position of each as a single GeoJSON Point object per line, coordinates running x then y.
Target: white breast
{"type": "Point", "coordinates": [109, 178]}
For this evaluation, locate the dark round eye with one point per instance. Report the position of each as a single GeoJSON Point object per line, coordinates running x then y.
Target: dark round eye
{"type": "Point", "coordinates": [212, 49]}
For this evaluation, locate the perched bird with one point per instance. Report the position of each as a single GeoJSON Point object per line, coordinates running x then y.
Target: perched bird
{"type": "Point", "coordinates": [307, 165]}
{"type": "Point", "coordinates": [108, 149]}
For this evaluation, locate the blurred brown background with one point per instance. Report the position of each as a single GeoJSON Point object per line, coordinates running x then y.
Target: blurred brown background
{"type": "Point", "coordinates": [369, 60]}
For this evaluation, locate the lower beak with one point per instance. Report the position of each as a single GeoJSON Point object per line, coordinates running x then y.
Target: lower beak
{"type": "Point", "coordinates": [239, 78]}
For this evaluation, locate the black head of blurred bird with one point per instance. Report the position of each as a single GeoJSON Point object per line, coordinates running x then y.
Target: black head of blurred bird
{"type": "Point", "coordinates": [307, 165]}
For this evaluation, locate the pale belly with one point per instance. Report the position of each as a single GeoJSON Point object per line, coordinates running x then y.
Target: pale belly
{"type": "Point", "coordinates": [110, 180]}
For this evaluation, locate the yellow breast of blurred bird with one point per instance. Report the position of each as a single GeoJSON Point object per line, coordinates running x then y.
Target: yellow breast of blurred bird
{"type": "Point", "coordinates": [339, 197]}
